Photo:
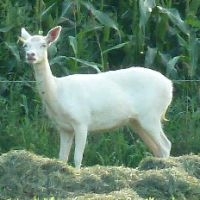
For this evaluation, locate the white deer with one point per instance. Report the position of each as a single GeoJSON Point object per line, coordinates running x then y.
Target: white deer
{"type": "Point", "coordinates": [84, 103]}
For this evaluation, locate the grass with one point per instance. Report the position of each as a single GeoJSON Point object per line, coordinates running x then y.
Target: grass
{"type": "Point", "coordinates": [24, 175]}
{"type": "Point", "coordinates": [20, 127]}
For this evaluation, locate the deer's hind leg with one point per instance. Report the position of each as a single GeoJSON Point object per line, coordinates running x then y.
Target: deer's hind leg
{"type": "Point", "coordinates": [151, 132]}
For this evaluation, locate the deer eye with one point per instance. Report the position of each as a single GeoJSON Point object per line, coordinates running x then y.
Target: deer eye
{"type": "Point", "coordinates": [44, 45]}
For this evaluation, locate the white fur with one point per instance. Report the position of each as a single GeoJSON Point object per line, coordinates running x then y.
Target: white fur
{"type": "Point", "coordinates": [79, 104]}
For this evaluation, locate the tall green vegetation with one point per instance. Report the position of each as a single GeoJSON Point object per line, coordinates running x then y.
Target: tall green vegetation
{"type": "Point", "coordinates": [100, 36]}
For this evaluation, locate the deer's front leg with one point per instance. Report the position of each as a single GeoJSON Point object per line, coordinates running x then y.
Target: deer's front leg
{"type": "Point", "coordinates": [66, 140]}
{"type": "Point", "coordinates": [80, 142]}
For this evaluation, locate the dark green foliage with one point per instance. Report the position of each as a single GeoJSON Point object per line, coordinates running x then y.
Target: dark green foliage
{"type": "Point", "coordinates": [100, 35]}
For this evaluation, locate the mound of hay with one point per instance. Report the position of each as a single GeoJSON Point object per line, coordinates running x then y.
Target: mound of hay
{"type": "Point", "coordinates": [24, 175]}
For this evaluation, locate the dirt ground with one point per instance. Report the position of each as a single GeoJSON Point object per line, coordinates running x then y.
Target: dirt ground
{"type": "Point", "coordinates": [24, 175]}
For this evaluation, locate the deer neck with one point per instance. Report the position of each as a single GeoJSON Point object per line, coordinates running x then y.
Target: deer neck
{"type": "Point", "coordinates": [45, 80]}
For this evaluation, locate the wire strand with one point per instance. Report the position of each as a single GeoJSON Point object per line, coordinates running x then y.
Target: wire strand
{"type": "Point", "coordinates": [28, 81]}
{"type": "Point", "coordinates": [17, 81]}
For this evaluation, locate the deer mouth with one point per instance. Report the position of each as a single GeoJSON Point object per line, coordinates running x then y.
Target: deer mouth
{"type": "Point", "coordinates": [31, 60]}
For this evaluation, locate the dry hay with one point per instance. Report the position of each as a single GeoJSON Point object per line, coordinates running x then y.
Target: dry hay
{"type": "Point", "coordinates": [24, 175]}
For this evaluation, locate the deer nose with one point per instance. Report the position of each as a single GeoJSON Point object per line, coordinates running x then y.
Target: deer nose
{"type": "Point", "coordinates": [30, 54]}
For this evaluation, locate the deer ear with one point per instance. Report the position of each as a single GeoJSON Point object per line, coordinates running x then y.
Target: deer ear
{"type": "Point", "coordinates": [24, 34]}
{"type": "Point", "coordinates": [53, 34]}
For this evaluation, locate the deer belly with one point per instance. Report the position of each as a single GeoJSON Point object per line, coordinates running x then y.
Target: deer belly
{"type": "Point", "coordinates": [110, 118]}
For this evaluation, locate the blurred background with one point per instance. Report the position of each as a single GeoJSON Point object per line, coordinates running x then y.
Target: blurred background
{"type": "Point", "coordinates": [163, 35]}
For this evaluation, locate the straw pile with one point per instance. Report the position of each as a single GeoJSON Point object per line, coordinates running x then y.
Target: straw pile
{"type": "Point", "coordinates": [23, 175]}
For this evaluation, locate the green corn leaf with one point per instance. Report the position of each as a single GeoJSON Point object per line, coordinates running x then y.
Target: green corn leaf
{"type": "Point", "coordinates": [92, 28]}
{"type": "Point", "coordinates": [6, 29]}
{"type": "Point", "coordinates": [146, 8]}
{"type": "Point", "coordinates": [182, 41]}
{"type": "Point", "coordinates": [66, 7]}
{"type": "Point", "coordinates": [13, 48]}
{"type": "Point", "coordinates": [48, 10]}
{"type": "Point", "coordinates": [175, 18]}
{"type": "Point", "coordinates": [171, 70]}
{"type": "Point", "coordinates": [150, 56]}
{"type": "Point", "coordinates": [90, 64]}
{"type": "Point", "coordinates": [25, 104]}
{"type": "Point", "coordinates": [164, 57]}
{"type": "Point", "coordinates": [193, 48]}
{"type": "Point", "coordinates": [194, 7]}
{"type": "Point", "coordinates": [73, 44]}
{"type": "Point", "coordinates": [60, 60]}
{"type": "Point", "coordinates": [115, 47]}
{"type": "Point", "coordinates": [103, 18]}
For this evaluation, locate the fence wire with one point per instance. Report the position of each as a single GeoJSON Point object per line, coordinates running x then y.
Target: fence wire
{"type": "Point", "coordinates": [174, 81]}
{"type": "Point", "coordinates": [17, 81]}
